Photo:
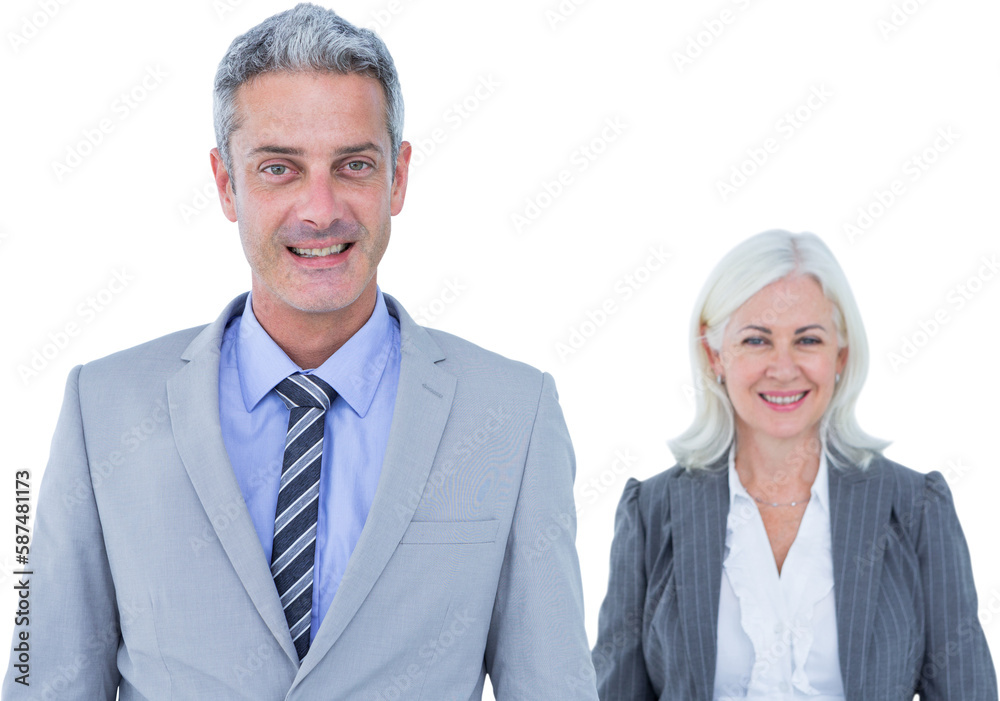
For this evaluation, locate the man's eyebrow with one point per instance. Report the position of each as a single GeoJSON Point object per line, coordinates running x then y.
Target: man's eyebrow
{"type": "Point", "coordinates": [289, 151]}
{"type": "Point", "coordinates": [276, 150]}
{"type": "Point", "coordinates": [359, 148]}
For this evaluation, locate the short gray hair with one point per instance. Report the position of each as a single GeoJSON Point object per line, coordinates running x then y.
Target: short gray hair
{"type": "Point", "coordinates": [307, 37]}
{"type": "Point", "coordinates": [743, 272]}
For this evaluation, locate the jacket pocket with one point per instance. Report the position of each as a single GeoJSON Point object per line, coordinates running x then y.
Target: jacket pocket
{"type": "Point", "coordinates": [440, 532]}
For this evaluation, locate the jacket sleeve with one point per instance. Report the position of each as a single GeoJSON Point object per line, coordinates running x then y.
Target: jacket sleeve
{"type": "Point", "coordinates": [957, 663]}
{"type": "Point", "coordinates": [537, 645]}
{"type": "Point", "coordinates": [72, 628]}
{"type": "Point", "coordinates": [618, 656]}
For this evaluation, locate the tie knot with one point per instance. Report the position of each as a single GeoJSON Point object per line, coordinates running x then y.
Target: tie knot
{"type": "Point", "coordinates": [305, 390]}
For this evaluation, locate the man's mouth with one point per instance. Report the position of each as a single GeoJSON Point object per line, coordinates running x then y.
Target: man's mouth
{"type": "Point", "coordinates": [776, 399]}
{"type": "Point", "coordinates": [319, 252]}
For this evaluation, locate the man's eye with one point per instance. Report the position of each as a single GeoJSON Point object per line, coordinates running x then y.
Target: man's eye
{"type": "Point", "coordinates": [277, 169]}
{"type": "Point", "coordinates": [357, 166]}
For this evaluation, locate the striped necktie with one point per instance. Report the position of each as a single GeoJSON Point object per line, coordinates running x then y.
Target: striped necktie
{"type": "Point", "coordinates": [307, 398]}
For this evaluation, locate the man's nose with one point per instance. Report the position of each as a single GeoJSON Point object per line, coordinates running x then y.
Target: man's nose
{"type": "Point", "coordinates": [322, 202]}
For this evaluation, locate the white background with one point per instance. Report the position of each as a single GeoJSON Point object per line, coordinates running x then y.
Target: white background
{"type": "Point", "coordinates": [135, 204]}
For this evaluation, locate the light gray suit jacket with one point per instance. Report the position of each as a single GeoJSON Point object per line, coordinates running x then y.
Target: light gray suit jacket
{"type": "Point", "coordinates": [906, 605]}
{"type": "Point", "coordinates": [150, 577]}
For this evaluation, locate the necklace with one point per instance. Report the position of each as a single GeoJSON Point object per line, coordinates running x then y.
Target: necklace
{"type": "Point", "coordinates": [774, 503]}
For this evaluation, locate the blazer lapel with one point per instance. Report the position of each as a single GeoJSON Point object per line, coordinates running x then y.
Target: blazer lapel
{"type": "Point", "coordinates": [699, 506]}
{"type": "Point", "coordinates": [423, 403]}
{"type": "Point", "coordinates": [193, 396]}
{"type": "Point", "coordinates": [860, 506]}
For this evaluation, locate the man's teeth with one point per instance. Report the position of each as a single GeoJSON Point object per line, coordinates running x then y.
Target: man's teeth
{"type": "Point", "coordinates": [317, 252]}
{"type": "Point", "coordinates": [783, 400]}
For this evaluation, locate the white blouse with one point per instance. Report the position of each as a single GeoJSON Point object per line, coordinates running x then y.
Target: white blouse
{"type": "Point", "coordinates": [777, 635]}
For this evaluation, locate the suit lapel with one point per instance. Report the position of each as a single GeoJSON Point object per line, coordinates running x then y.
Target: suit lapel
{"type": "Point", "coordinates": [193, 395]}
{"type": "Point", "coordinates": [699, 506]}
{"type": "Point", "coordinates": [860, 506]}
{"type": "Point", "coordinates": [423, 403]}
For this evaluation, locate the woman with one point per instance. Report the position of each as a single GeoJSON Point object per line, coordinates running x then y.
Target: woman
{"type": "Point", "coordinates": [784, 557]}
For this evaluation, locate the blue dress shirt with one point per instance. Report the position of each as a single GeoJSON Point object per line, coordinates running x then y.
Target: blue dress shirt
{"type": "Point", "coordinates": [365, 373]}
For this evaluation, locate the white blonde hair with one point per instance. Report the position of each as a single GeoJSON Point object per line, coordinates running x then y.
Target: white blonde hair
{"type": "Point", "coordinates": [743, 272]}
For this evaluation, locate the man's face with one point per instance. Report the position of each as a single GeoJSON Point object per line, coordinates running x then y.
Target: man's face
{"type": "Point", "coordinates": [312, 188]}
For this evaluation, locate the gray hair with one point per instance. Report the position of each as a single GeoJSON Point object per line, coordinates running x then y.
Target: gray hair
{"type": "Point", "coordinates": [307, 37]}
{"type": "Point", "coordinates": [744, 271]}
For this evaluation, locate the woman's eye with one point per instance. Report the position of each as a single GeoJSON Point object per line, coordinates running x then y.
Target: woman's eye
{"type": "Point", "coordinates": [810, 341]}
{"type": "Point", "coordinates": [753, 341]}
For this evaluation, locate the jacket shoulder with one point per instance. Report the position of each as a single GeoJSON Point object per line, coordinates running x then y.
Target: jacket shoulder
{"type": "Point", "coordinates": [661, 482]}
{"type": "Point", "coordinates": [652, 495]}
{"type": "Point", "coordinates": [906, 481]}
{"type": "Point", "coordinates": [466, 360]}
{"type": "Point", "coordinates": [159, 356]}
{"type": "Point", "coordinates": [910, 492]}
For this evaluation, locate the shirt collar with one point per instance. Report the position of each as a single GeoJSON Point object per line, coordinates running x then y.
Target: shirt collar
{"type": "Point", "coordinates": [820, 490]}
{"type": "Point", "coordinates": [355, 370]}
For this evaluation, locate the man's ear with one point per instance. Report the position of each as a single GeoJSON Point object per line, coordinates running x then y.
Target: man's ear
{"type": "Point", "coordinates": [224, 184]}
{"type": "Point", "coordinates": [399, 177]}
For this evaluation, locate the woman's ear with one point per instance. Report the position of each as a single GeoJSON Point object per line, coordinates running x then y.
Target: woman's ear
{"type": "Point", "coordinates": [714, 359]}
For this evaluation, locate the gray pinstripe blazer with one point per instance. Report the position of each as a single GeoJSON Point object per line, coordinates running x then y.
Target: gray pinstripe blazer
{"type": "Point", "coordinates": [906, 604]}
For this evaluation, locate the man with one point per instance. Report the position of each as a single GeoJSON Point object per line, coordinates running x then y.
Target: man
{"type": "Point", "coordinates": [312, 497]}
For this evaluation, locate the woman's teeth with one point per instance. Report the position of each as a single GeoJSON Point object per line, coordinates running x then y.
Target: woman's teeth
{"type": "Point", "coordinates": [791, 399]}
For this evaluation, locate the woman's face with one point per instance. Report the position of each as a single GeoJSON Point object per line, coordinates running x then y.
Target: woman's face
{"type": "Point", "coordinates": [779, 360]}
